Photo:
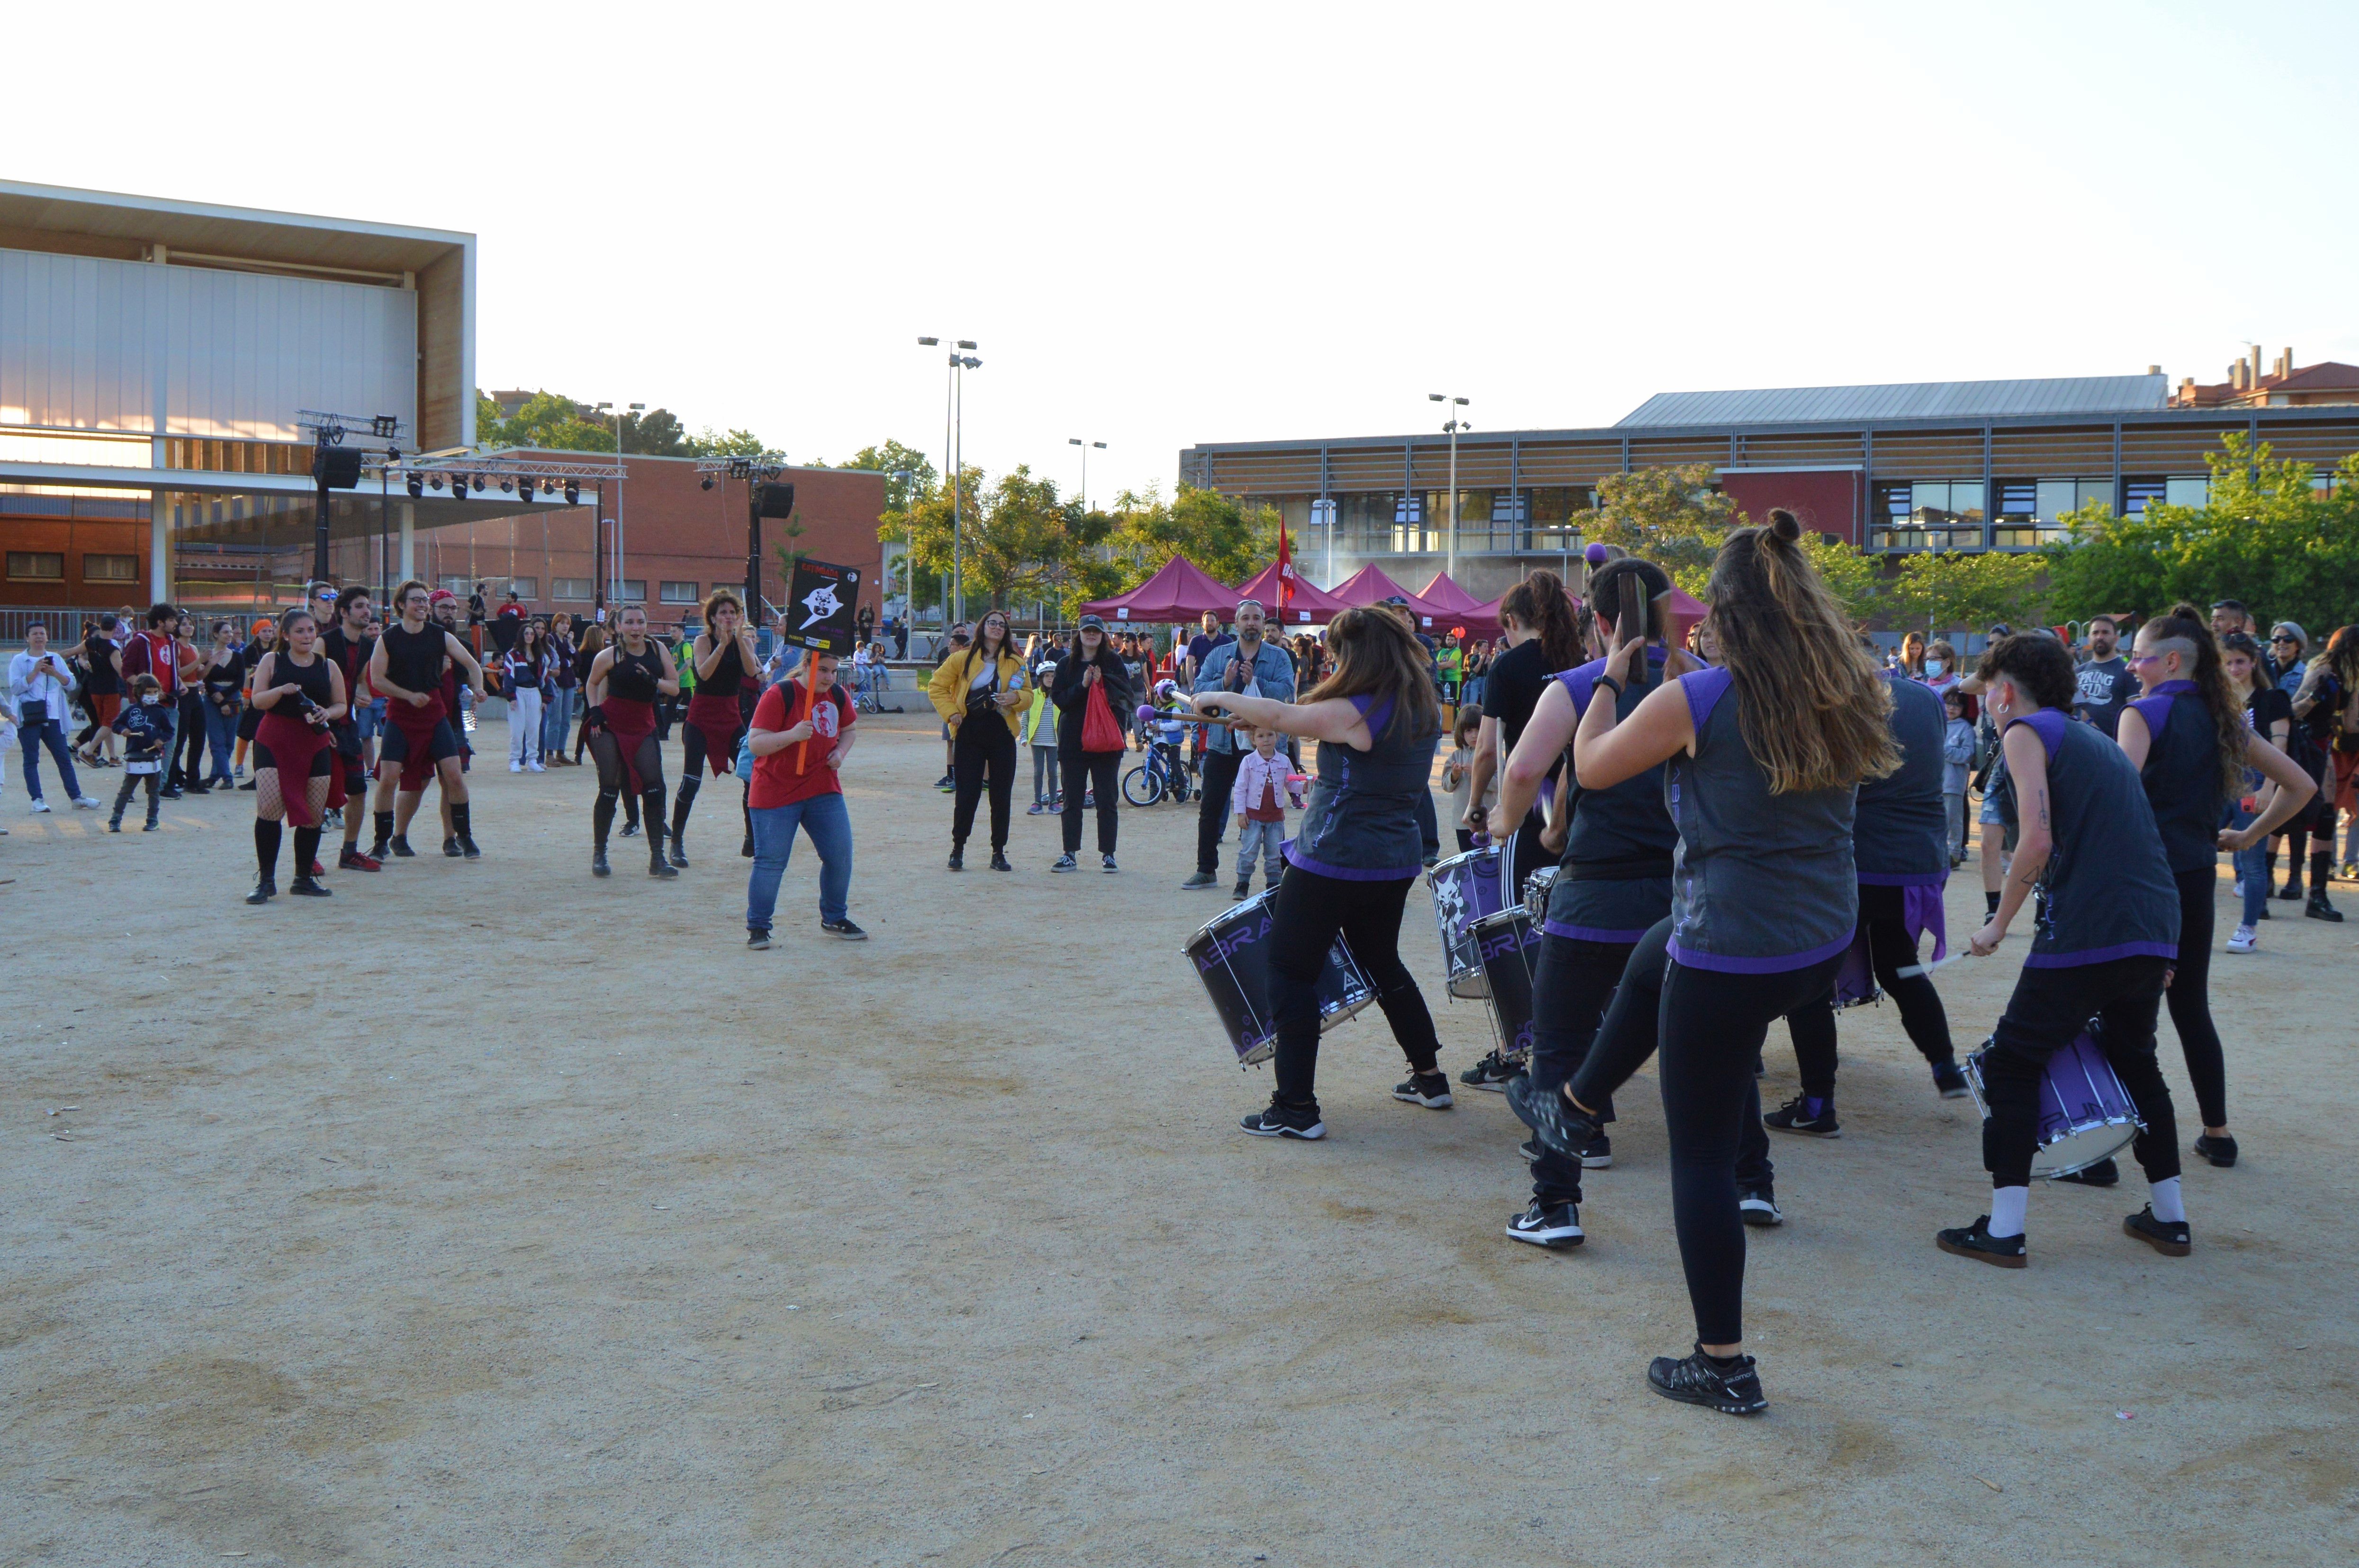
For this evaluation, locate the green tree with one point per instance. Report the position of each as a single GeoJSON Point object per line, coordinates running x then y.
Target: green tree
{"type": "Point", "coordinates": [1671, 515]}
{"type": "Point", "coordinates": [709, 443]}
{"type": "Point", "coordinates": [1851, 576]}
{"type": "Point", "coordinates": [893, 458]}
{"type": "Point", "coordinates": [2268, 534]}
{"type": "Point", "coordinates": [548, 421]}
{"type": "Point", "coordinates": [1211, 529]}
{"type": "Point", "coordinates": [1946, 589]}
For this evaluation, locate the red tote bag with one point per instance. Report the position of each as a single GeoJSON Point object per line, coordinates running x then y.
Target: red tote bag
{"type": "Point", "coordinates": [1099, 731]}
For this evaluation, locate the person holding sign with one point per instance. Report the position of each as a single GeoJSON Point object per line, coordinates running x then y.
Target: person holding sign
{"type": "Point", "coordinates": [981, 693]}
{"type": "Point", "coordinates": [801, 733]}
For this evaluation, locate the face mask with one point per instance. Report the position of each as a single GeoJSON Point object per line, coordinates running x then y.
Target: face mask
{"type": "Point", "coordinates": [148, 699]}
{"type": "Point", "coordinates": [1933, 666]}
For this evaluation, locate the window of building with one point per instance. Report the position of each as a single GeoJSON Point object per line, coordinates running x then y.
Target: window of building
{"type": "Point", "coordinates": [458, 585]}
{"type": "Point", "coordinates": [36, 565]}
{"type": "Point", "coordinates": [1928, 514]}
{"type": "Point", "coordinates": [630, 590]}
{"type": "Point", "coordinates": [110, 568]}
{"type": "Point", "coordinates": [678, 593]}
{"type": "Point", "coordinates": [2193, 492]}
{"type": "Point", "coordinates": [577, 588]}
{"type": "Point", "coordinates": [524, 587]}
{"type": "Point", "coordinates": [2137, 493]}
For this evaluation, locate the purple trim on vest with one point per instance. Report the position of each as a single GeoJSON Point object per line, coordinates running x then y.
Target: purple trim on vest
{"type": "Point", "coordinates": [1590, 933]}
{"type": "Point", "coordinates": [2048, 724]}
{"type": "Point", "coordinates": [1777, 964]}
{"type": "Point", "coordinates": [1704, 688]}
{"type": "Point", "coordinates": [1581, 679]}
{"type": "Point", "coordinates": [1295, 857]}
{"type": "Point", "coordinates": [1903, 878]}
{"type": "Point", "coordinates": [2102, 955]}
{"type": "Point", "coordinates": [1377, 719]}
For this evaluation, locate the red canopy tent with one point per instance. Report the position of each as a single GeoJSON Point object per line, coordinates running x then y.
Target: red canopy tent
{"type": "Point", "coordinates": [1369, 585]}
{"type": "Point", "coordinates": [1481, 619]}
{"type": "Point", "coordinates": [1311, 606]}
{"type": "Point", "coordinates": [1180, 591]}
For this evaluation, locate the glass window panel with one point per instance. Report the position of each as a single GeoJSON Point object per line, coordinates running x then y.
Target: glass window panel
{"type": "Point", "coordinates": [1966, 499]}
{"type": "Point", "coordinates": [632, 590]}
{"type": "Point", "coordinates": [2097, 489]}
{"type": "Point", "coordinates": [1927, 502]}
{"type": "Point", "coordinates": [524, 587]}
{"type": "Point", "coordinates": [572, 588]}
{"type": "Point", "coordinates": [2194, 492]}
{"type": "Point", "coordinates": [678, 593]}
{"type": "Point", "coordinates": [110, 568]}
{"type": "Point", "coordinates": [36, 565]}
{"type": "Point", "coordinates": [2055, 497]}
{"type": "Point", "coordinates": [2137, 493]}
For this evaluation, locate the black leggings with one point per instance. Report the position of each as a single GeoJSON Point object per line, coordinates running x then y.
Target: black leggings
{"type": "Point", "coordinates": [1881, 914]}
{"type": "Point", "coordinates": [1310, 912]}
{"type": "Point", "coordinates": [984, 745]}
{"type": "Point", "coordinates": [1571, 987]}
{"type": "Point", "coordinates": [2050, 1007]}
{"type": "Point", "coordinates": [2190, 1000]}
{"type": "Point", "coordinates": [647, 760]}
{"type": "Point", "coordinates": [691, 779]}
{"type": "Point", "coordinates": [1627, 1036]}
{"type": "Point", "coordinates": [1090, 773]}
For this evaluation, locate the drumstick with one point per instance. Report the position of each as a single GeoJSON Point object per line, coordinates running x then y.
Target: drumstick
{"type": "Point", "coordinates": [1911, 971]}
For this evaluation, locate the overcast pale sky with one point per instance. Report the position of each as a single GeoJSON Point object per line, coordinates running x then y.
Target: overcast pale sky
{"type": "Point", "coordinates": [1269, 220]}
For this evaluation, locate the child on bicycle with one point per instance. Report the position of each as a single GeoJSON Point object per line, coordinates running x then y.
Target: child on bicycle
{"type": "Point", "coordinates": [1264, 788]}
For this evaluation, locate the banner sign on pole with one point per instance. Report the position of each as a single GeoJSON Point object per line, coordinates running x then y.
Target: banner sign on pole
{"type": "Point", "coordinates": [822, 603]}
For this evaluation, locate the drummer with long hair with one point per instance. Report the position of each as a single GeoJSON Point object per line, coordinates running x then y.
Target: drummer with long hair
{"type": "Point", "coordinates": [624, 682]}
{"type": "Point", "coordinates": [1765, 752]}
{"type": "Point", "coordinates": [2188, 738]}
{"type": "Point", "coordinates": [301, 695]}
{"type": "Point", "coordinates": [1358, 851]}
{"type": "Point", "coordinates": [2104, 933]}
{"type": "Point", "coordinates": [724, 659]}
{"type": "Point", "coordinates": [1614, 884]}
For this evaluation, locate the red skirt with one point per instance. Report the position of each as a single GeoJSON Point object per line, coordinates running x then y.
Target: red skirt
{"type": "Point", "coordinates": [293, 747]}
{"type": "Point", "coordinates": [417, 726]}
{"type": "Point", "coordinates": [629, 722]}
{"type": "Point", "coordinates": [719, 720]}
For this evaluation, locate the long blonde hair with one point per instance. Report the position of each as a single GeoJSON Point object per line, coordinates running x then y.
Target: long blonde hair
{"type": "Point", "coordinates": [1815, 710]}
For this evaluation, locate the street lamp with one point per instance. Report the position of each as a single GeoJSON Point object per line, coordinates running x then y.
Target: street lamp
{"type": "Point", "coordinates": [961, 360]}
{"type": "Point", "coordinates": [910, 551]}
{"type": "Point", "coordinates": [604, 409]}
{"type": "Point", "coordinates": [1449, 522]}
{"type": "Point", "coordinates": [1085, 445]}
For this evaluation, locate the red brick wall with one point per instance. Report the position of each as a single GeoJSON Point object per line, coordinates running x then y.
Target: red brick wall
{"type": "Point", "coordinates": [673, 530]}
{"type": "Point", "coordinates": [75, 538]}
{"type": "Point", "coordinates": [1828, 501]}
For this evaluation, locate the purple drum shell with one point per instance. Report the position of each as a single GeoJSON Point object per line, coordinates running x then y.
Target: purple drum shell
{"type": "Point", "coordinates": [1509, 945]}
{"type": "Point", "coordinates": [1230, 956]}
{"type": "Point", "coordinates": [1465, 890]}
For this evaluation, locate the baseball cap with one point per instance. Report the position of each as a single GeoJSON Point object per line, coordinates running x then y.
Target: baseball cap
{"type": "Point", "coordinates": [1092, 623]}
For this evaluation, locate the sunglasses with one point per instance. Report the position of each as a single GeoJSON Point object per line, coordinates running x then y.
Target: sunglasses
{"type": "Point", "coordinates": [2295, 641]}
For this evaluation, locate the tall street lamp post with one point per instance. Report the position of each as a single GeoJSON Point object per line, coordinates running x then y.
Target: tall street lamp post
{"type": "Point", "coordinates": [1086, 447]}
{"type": "Point", "coordinates": [1449, 507]}
{"type": "Point", "coordinates": [610, 408]}
{"type": "Point", "coordinates": [961, 360]}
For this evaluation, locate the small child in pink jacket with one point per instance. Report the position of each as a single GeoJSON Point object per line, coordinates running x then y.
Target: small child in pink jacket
{"type": "Point", "coordinates": [1260, 797]}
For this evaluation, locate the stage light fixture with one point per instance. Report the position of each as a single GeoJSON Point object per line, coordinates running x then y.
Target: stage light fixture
{"type": "Point", "coordinates": [548, 487]}
{"type": "Point", "coordinates": [507, 485]}
{"type": "Point", "coordinates": [435, 484]}
{"type": "Point", "coordinates": [705, 483]}
{"type": "Point", "coordinates": [572, 493]}
{"type": "Point", "coordinates": [417, 485]}
{"type": "Point", "coordinates": [479, 484]}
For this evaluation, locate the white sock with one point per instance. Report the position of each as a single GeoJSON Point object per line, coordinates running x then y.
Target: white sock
{"type": "Point", "coordinates": [2167, 1206]}
{"type": "Point", "coordinates": [2007, 1205]}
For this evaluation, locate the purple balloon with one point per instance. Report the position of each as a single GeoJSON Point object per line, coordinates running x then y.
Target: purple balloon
{"type": "Point", "coordinates": [1595, 555]}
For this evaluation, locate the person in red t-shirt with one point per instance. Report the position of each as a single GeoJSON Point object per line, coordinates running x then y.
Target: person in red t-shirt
{"type": "Point", "coordinates": [779, 798]}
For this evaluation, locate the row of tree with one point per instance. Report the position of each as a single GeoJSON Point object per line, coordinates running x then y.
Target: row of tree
{"type": "Point", "coordinates": [550, 421]}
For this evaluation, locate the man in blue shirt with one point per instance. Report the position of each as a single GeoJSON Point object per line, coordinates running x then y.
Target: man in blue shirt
{"type": "Point", "coordinates": [1257, 668]}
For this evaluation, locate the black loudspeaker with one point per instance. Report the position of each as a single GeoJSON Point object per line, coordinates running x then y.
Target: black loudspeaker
{"type": "Point", "coordinates": [778, 500]}
{"type": "Point", "coordinates": [339, 468]}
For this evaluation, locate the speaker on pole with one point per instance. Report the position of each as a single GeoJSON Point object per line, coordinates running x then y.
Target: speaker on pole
{"type": "Point", "coordinates": [335, 468]}
{"type": "Point", "coordinates": [763, 500]}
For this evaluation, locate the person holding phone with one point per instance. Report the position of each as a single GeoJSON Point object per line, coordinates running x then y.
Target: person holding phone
{"type": "Point", "coordinates": [39, 684]}
{"type": "Point", "coordinates": [979, 692]}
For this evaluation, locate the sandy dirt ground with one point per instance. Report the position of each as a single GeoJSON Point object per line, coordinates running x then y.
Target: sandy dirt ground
{"type": "Point", "coordinates": [490, 1215]}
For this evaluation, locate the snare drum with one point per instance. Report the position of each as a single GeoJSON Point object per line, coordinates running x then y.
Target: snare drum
{"type": "Point", "coordinates": [1465, 888]}
{"type": "Point", "coordinates": [1231, 956]}
{"type": "Point", "coordinates": [2085, 1114]}
{"type": "Point", "coordinates": [1855, 981]}
{"type": "Point", "coordinates": [1509, 943]}
{"type": "Point", "coordinates": [1537, 887]}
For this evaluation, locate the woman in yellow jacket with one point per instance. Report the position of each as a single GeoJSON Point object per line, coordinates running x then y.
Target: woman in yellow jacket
{"type": "Point", "coordinates": [981, 694]}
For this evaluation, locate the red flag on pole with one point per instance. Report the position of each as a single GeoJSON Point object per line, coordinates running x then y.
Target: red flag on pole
{"type": "Point", "coordinates": [1285, 568]}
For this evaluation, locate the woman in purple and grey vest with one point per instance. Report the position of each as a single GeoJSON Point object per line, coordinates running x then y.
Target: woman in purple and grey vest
{"type": "Point", "coordinates": [1765, 753]}
{"type": "Point", "coordinates": [2190, 741]}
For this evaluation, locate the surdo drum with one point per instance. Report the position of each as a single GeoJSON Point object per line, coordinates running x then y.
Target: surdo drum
{"type": "Point", "coordinates": [2085, 1114]}
{"type": "Point", "coordinates": [1230, 955]}
{"type": "Point", "coordinates": [1465, 888]}
{"type": "Point", "coordinates": [1510, 943]}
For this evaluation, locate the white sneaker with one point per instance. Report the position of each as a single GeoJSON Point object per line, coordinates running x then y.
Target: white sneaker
{"type": "Point", "coordinates": [87, 804]}
{"type": "Point", "coordinates": [535, 768]}
{"type": "Point", "coordinates": [2245, 940]}
{"type": "Point", "coordinates": [514, 767]}
{"type": "Point", "coordinates": [40, 805]}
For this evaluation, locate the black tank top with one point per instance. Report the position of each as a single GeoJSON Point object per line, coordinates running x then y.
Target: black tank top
{"type": "Point", "coordinates": [314, 681]}
{"type": "Point", "coordinates": [634, 675]}
{"type": "Point", "coordinates": [351, 656]}
{"type": "Point", "coordinates": [414, 660]}
{"type": "Point", "coordinates": [727, 676]}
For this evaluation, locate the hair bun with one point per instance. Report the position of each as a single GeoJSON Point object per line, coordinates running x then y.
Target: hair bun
{"type": "Point", "coordinates": [1785, 524]}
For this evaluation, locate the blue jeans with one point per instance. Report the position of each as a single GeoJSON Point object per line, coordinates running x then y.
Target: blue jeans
{"type": "Point", "coordinates": [2251, 869]}
{"type": "Point", "coordinates": [830, 827]}
{"type": "Point", "coordinates": [368, 720]}
{"type": "Point", "coordinates": [556, 714]}
{"type": "Point", "coordinates": [221, 734]}
{"type": "Point", "coordinates": [36, 734]}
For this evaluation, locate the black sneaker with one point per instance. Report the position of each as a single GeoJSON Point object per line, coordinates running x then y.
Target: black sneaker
{"type": "Point", "coordinates": [1490, 1073]}
{"type": "Point", "coordinates": [2104, 1173]}
{"type": "Point", "coordinates": [247, 785]}
{"type": "Point", "coordinates": [630, 830]}
{"type": "Point", "coordinates": [149, 826]}
{"type": "Point", "coordinates": [844, 928]}
{"type": "Point", "coordinates": [1758, 1206]}
{"type": "Point", "coordinates": [757, 941]}
{"type": "Point", "coordinates": [467, 847]}
{"type": "Point", "coordinates": [598, 866]}
{"type": "Point", "coordinates": [399, 845]}
{"type": "Point", "coordinates": [1950, 1079]}
{"type": "Point", "coordinates": [1976, 1242]}
{"type": "Point", "coordinates": [264, 892]}
{"type": "Point", "coordinates": [2220, 1151]}
{"type": "Point", "coordinates": [1105, 864]}
{"type": "Point", "coordinates": [1555, 1227]}
{"type": "Point", "coordinates": [1731, 1386]}
{"type": "Point", "coordinates": [1200, 879]}
{"type": "Point", "coordinates": [1278, 1121]}
{"type": "Point", "coordinates": [305, 887]}
{"type": "Point", "coordinates": [745, 849]}
{"type": "Point", "coordinates": [450, 847]}
{"type": "Point", "coordinates": [1066, 864]}
{"type": "Point", "coordinates": [1561, 1127]}
{"type": "Point", "coordinates": [2318, 909]}
{"type": "Point", "coordinates": [1242, 889]}
{"type": "Point", "coordinates": [1597, 1154]}
{"type": "Point", "coordinates": [958, 860]}
{"type": "Point", "coordinates": [114, 826]}
{"type": "Point", "coordinates": [2169, 1237]}
{"type": "Point", "coordinates": [1806, 1114]}
{"type": "Point", "coordinates": [1429, 1089]}
{"type": "Point", "coordinates": [999, 861]}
